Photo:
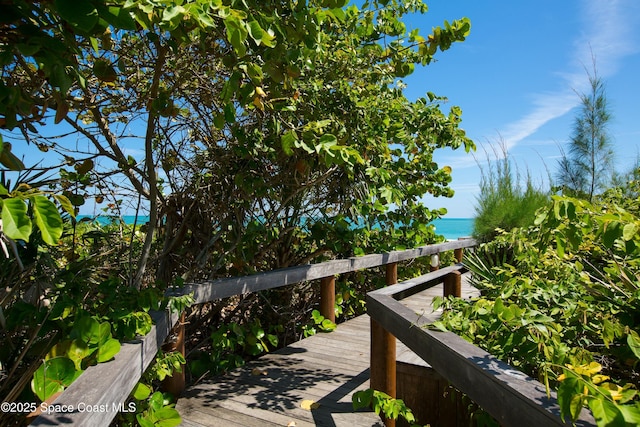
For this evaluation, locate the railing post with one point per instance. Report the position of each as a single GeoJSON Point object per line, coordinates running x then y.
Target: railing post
{"type": "Point", "coordinates": [453, 284]}
{"type": "Point", "coordinates": [458, 253]}
{"type": "Point", "coordinates": [383, 352]}
{"type": "Point", "coordinates": [175, 384]}
{"type": "Point", "coordinates": [328, 297]}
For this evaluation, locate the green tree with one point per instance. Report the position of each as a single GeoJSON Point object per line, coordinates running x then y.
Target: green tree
{"type": "Point", "coordinates": [252, 117]}
{"type": "Point", "coordinates": [107, 69]}
{"type": "Point", "coordinates": [271, 133]}
{"type": "Point", "coordinates": [587, 168]}
{"type": "Point", "coordinates": [325, 154]}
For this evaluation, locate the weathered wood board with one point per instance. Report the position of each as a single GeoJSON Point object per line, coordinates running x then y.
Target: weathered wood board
{"type": "Point", "coordinates": [510, 396]}
{"type": "Point", "coordinates": [324, 368]}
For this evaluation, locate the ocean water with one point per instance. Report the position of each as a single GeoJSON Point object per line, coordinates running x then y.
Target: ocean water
{"type": "Point", "coordinates": [454, 228]}
{"type": "Point", "coordinates": [450, 228]}
{"type": "Point", "coordinates": [108, 219]}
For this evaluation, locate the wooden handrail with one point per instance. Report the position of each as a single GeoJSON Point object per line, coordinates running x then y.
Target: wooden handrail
{"type": "Point", "coordinates": [106, 386]}
{"type": "Point", "coordinates": [223, 288]}
{"type": "Point", "coordinates": [511, 397]}
{"type": "Point", "coordinates": [99, 394]}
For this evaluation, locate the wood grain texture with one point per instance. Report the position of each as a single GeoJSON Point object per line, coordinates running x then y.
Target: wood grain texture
{"type": "Point", "coordinates": [510, 396]}
{"type": "Point", "coordinates": [224, 288]}
{"type": "Point", "coordinates": [326, 368]}
{"type": "Point", "coordinates": [106, 385]}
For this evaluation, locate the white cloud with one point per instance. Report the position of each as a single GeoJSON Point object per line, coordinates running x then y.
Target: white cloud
{"type": "Point", "coordinates": [546, 107]}
{"type": "Point", "coordinates": [465, 188]}
{"type": "Point", "coordinates": [607, 36]}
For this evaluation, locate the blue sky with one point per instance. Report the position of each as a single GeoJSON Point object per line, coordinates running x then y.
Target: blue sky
{"type": "Point", "coordinates": [516, 78]}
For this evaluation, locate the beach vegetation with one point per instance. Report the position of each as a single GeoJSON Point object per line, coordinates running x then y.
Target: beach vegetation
{"type": "Point", "coordinates": [587, 168]}
{"type": "Point", "coordinates": [253, 135]}
{"type": "Point", "coordinates": [507, 199]}
{"type": "Point", "coordinates": [560, 301]}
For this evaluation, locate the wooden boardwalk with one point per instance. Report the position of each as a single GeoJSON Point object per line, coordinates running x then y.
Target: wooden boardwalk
{"type": "Point", "coordinates": [325, 368]}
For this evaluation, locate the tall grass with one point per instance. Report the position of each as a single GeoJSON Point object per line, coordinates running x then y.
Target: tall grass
{"type": "Point", "coordinates": [507, 200]}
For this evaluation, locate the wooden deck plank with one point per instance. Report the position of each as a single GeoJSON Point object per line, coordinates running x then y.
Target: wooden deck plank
{"type": "Point", "coordinates": [326, 368]}
{"type": "Point", "coordinates": [237, 412]}
{"type": "Point", "coordinates": [192, 423]}
{"type": "Point", "coordinates": [279, 404]}
{"type": "Point", "coordinates": [277, 396]}
{"type": "Point", "coordinates": [273, 378]}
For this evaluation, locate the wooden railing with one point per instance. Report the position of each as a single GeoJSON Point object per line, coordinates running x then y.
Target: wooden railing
{"type": "Point", "coordinates": [99, 394]}
{"type": "Point", "coordinates": [511, 397]}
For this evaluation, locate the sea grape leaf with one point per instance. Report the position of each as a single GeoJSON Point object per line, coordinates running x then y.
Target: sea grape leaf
{"type": "Point", "coordinates": [629, 231]}
{"type": "Point", "coordinates": [104, 333]}
{"type": "Point", "coordinates": [104, 71]}
{"type": "Point", "coordinates": [606, 412]}
{"type": "Point", "coordinates": [141, 391]}
{"type": "Point", "coordinates": [87, 329]}
{"type": "Point", "coordinates": [236, 34]}
{"type": "Point", "coordinates": [255, 31]}
{"type": "Point", "coordinates": [53, 376]}
{"type": "Point", "coordinates": [47, 219]}
{"type": "Point", "coordinates": [81, 14]}
{"type": "Point", "coordinates": [78, 351]}
{"type": "Point", "coordinates": [630, 413]}
{"type": "Point", "coordinates": [66, 204]}
{"type": "Point", "coordinates": [108, 350]}
{"type": "Point", "coordinates": [288, 141]}
{"type": "Point", "coordinates": [633, 340]}
{"type": "Point", "coordinates": [167, 417]}
{"type": "Point", "coordinates": [16, 224]}
{"type": "Point", "coordinates": [611, 233]}
{"type": "Point", "coordinates": [173, 15]}
{"type": "Point", "coordinates": [118, 17]}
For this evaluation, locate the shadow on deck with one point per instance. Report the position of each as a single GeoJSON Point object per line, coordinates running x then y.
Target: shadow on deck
{"type": "Point", "coordinates": [325, 369]}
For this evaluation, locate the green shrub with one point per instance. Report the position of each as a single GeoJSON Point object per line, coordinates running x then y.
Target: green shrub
{"type": "Point", "coordinates": [560, 301]}
{"type": "Point", "coordinates": [504, 202]}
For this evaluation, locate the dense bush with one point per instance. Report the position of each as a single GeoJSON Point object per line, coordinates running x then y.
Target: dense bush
{"type": "Point", "coordinates": [561, 301]}
{"type": "Point", "coordinates": [505, 202]}
{"type": "Point", "coordinates": [67, 307]}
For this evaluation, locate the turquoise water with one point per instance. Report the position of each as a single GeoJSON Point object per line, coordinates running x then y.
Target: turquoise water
{"type": "Point", "coordinates": [450, 228]}
{"type": "Point", "coordinates": [106, 219]}
{"type": "Point", "coordinates": [454, 228]}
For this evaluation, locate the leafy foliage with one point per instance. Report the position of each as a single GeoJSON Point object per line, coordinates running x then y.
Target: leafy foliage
{"type": "Point", "coordinates": [560, 302]}
{"type": "Point", "coordinates": [270, 134]}
{"type": "Point", "coordinates": [319, 321]}
{"type": "Point", "coordinates": [53, 377]}
{"type": "Point", "coordinates": [159, 413]}
{"type": "Point", "coordinates": [154, 408]}
{"type": "Point", "coordinates": [231, 344]}
{"type": "Point", "coordinates": [309, 121]}
{"type": "Point", "coordinates": [24, 207]}
{"type": "Point", "coordinates": [505, 201]}
{"type": "Point", "coordinates": [584, 385]}
{"type": "Point", "coordinates": [380, 402]}
{"type": "Point", "coordinates": [89, 342]}
{"type": "Point", "coordinates": [71, 310]}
